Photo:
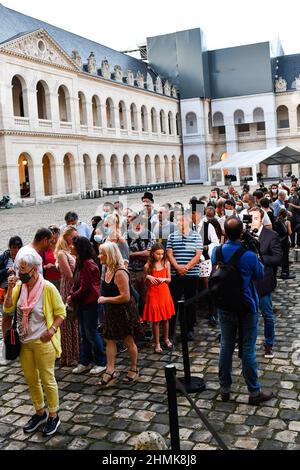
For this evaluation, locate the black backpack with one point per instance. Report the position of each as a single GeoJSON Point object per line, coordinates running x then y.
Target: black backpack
{"type": "Point", "coordinates": [226, 285]}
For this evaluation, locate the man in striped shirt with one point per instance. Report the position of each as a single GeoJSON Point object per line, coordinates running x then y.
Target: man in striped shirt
{"type": "Point", "coordinates": [184, 249]}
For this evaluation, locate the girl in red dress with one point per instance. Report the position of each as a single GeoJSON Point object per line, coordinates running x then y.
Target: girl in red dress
{"type": "Point", "coordinates": [159, 305]}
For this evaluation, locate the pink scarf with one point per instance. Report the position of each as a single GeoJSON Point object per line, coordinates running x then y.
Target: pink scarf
{"type": "Point", "coordinates": [29, 300]}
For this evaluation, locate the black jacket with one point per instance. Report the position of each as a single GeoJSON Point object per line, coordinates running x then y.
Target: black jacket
{"type": "Point", "coordinates": [271, 251]}
{"type": "Point", "coordinates": [3, 263]}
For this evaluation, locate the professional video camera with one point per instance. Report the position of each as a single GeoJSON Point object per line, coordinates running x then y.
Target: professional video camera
{"type": "Point", "coordinates": [249, 238]}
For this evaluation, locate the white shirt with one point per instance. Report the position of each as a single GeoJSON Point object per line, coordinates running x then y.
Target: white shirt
{"type": "Point", "coordinates": [212, 236]}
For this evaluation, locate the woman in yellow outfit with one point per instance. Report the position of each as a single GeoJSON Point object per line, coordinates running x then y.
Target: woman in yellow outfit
{"type": "Point", "coordinates": [40, 312]}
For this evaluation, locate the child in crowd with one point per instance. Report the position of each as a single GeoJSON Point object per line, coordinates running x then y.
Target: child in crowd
{"type": "Point", "coordinates": [159, 305]}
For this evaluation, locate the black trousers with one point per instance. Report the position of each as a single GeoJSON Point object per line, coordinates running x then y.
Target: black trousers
{"type": "Point", "coordinates": [285, 260]}
{"type": "Point", "coordinates": [295, 237]}
{"type": "Point", "coordinates": [186, 286]}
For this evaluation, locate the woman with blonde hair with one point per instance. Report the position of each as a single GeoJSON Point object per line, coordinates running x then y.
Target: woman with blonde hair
{"type": "Point", "coordinates": [120, 319]}
{"type": "Point", "coordinates": [66, 263]}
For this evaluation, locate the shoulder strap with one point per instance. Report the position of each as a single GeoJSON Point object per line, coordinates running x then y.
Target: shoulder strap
{"type": "Point", "coordinates": [237, 256]}
{"type": "Point", "coordinates": [206, 240]}
{"type": "Point", "coordinates": [16, 309]}
{"type": "Point", "coordinates": [219, 254]}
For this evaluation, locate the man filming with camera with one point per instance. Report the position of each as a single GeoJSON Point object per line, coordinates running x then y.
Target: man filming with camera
{"type": "Point", "coordinates": [271, 252]}
{"type": "Point", "coordinates": [233, 285]}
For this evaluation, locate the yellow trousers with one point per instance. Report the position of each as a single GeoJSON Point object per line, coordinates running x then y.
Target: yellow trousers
{"type": "Point", "coordinates": [38, 364]}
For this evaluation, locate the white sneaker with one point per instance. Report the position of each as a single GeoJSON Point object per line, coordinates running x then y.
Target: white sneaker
{"type": "Point", "coordinates": [97, 370]}
{"type": "Point", "coordinates": [80, 369]}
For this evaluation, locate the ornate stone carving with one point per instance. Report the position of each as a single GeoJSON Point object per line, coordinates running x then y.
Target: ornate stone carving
{"type": "Point", "coordinates": [39, 45]}
{"type": "Point", "coordinates": [140, 79]}
{"type": "Point", "coordinates": [150, 85]}
{"type": "Point", "coordinates": [92, 64]}
{"type": "Point", "coordinates": [297, 83]}
{"type": "Point", "coordinates": [174, 92]}
{"type": "Point", "coordinates": [130, 78]}
{"type": "Point", "coordinates": [118, 73]}
{"type": "Point", "coordinates": [76, 57]}
{"type": "Point", "coordinates": [105, 69]}
{"type": "Point", "coordinates": [158, 85]}
{"type": "Point", "coordinates": [280, 85]}
{"type": "Point", "coordinates": [167, 88]}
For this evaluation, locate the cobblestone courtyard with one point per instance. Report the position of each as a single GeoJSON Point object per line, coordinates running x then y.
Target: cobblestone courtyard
{"type": "Point", "coordinates": [111, 419]}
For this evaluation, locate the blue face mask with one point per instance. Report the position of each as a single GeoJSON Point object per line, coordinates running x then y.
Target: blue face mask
{"type": "Point", "coordinates": [98, 239]}
{"type": "Point", "coordinates": [246, 205]}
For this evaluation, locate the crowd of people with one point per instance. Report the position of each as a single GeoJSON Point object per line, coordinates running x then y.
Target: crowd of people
{"type": "Point", "coordinates": [84, 294]}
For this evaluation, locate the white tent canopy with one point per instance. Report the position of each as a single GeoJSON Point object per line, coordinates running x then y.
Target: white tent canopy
{"type": "Point", "coordinates": [273, 156]}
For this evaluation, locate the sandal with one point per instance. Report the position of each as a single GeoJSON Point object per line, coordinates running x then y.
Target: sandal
{"type": "Point", "coordinates": [169, 345]}
{"type": "Point", "coordinates": [130, 380]}
{"type": "Point", "coordinates": [158, 350]}
{"type": "Point", "coordinates": [109, 383]}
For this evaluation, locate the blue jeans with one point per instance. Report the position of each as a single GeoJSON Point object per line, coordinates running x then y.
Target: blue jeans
{"type": "Point", "coordinates": [229, 326]}
{"type": "Point", "coordinates": [91, 343]}
{"type": "Point", "coordinates": [266, 307]}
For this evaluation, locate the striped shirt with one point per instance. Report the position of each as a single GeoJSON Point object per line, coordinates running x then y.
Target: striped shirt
{"type": "Point", "coordinates": [184, 249]}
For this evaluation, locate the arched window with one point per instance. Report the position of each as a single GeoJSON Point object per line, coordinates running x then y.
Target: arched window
{"type": "Point", "coordinates": [96, 107]}
{"type": "Point", "coordinates": [298, 116]}
{"type": "Point", "coordinates": [218, 120]}
{"type": "Point", "coordinates": [110, 114]}
{"type": "Point", "coordinates": [154, 120]}
{"type": "Point", "coordinates": [49, 175]}
{"type": "Point", "coordinates": [283, 121]}
{"type": "Point", "coordinates": [191, 123]}
{"type": "Point", "coordinates": [19, 105]}
{"type": "Point", "coordinates": [43, 102]}
{"type": "Point", "coordinates": [194, 168]}
{"type": "Point", "coordinates": [258, 115]}
{"type": "Point", "coordinates": [26, 176]}
{"type": "Point", "coordinates": [239, 117]}
{"type": "Point", "coordinates": [162, 122]}
{"type": "Point", "coordinates": [82, 109]}
{"type": "Point", "coordinates": [122, 115]}
{"type": "Point", "coordinates": [170, 123]}
{"type": "Point", "coordinates": [144, 116]}
{"type": "Point", "coordinates": [64, 104]}
{"type": "Point", "coordinates": [178, 124]}
{"type": "Point", "coordinates": [133, 117]}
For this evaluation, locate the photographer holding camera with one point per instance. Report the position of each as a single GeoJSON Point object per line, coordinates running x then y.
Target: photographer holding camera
{"type": "Point", "coordinates": [271, 252]}
{"type": "Point", "coordinates": [233, 285]}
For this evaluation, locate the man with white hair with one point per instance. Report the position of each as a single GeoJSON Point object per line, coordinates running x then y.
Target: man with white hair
{"type": "Point", "coordinates": [280, 202]}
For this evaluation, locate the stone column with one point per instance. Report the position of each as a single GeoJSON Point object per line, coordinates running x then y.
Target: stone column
{"type": "Point", "coordinates": [37, 181]}
{"type": "Point", "coordinates": [60, 179]}
{"type": "Point", "coordinates": [32, 108]}
{"type": "Point", "coordinates": [231, 136]}
{"type": "Point", "coordinates": [132, 174]}
{"type": "Point", "coordinates": [55, 112]}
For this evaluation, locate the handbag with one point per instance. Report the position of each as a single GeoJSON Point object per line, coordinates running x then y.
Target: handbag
{"type": "Point", "coordinates": [12, 340]}
{"type": "Point", "coordinates": [72, 312]}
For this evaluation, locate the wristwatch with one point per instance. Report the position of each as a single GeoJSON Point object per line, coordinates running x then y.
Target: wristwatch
{"type": "Point", "coordinates": [54, 328]}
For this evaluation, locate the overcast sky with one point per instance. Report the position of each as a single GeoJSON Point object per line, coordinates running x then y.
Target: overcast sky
{"type": "Point", "coordinates": [120, 24]}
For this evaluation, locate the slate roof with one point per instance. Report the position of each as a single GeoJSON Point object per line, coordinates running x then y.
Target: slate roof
{"type": "Point", "coordinates": [288, 68]}
{"type": "Point", "coordinates": [14, 24]}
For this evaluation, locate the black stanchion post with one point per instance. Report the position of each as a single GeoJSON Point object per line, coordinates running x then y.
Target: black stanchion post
{"type": "Point", "coordinates": [170, 373]}
{"type": "Point", "coordinates": [191, 384]}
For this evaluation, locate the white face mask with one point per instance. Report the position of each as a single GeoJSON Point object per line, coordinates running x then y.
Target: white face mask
{"type": "Point", "coordinates": [246, 205]}
{"type": "Point", "coordinates": [274, 191]}
{"type": "Point", "coordinates": [229, 213]}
